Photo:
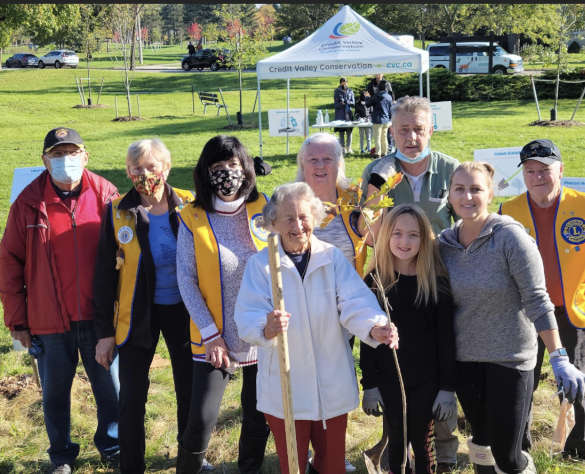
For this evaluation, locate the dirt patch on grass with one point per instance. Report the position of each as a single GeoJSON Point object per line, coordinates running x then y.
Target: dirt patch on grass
{"type": "Point", "coordinates": [159, 362]}
{"type": "Point", "coordinates": [12, 385]}
{"type": "Point", "coordinates": [556, 123]}
{"type": "Point", "coordinates": [92, 106]}
{"type": "Point", "coordinates": [126, 118]}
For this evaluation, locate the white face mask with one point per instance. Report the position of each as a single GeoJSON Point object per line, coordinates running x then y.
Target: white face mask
{"type": "Point", "coordinates": [67, 168]}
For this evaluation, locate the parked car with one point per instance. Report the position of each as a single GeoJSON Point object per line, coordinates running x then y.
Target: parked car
{"type": "Point", "coordinates": [212, 58]}
{"type": "Point", "coordinates": [22, 60]}
{"type": "Point", "coordinates": [472, 58]}
{"type": "Point", "coordinates": [59, 58]}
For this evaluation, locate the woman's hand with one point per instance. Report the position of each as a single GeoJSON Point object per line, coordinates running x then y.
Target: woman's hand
{"type": "Point", "coordinates": [387, 334]}
{"type": "Point", "coordinates": [104, 351]}
{"type": "Point", "coordinates": [216, 353]}
{"type": "Point", "coordinates": [276, 322]}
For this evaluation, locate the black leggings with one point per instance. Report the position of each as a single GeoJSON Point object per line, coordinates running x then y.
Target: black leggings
{"type": "Point", "coordinates": [420, 426]}
{"type": "Point", "coordinates": [209, 385]}
{"type": "Point", "coordinates": [496, 401]}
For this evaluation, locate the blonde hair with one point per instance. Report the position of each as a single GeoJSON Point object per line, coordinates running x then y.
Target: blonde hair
{"type": "Point", "coordinates": [149, 147]}
{"type": "Point", "coordinates": [429, 265]}
{"type": "Point", "coordinates": [484, 168]}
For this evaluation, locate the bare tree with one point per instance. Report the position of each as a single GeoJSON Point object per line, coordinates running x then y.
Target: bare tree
{"type": "Point", "coordinates": [124, 28]}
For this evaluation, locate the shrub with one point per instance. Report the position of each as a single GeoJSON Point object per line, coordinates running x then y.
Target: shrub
{"type": "Point", "coordinates": [446, 85]}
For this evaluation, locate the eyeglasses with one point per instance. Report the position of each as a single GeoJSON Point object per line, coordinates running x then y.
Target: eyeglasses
{"type": "Point", "coordinates": [61, 153]}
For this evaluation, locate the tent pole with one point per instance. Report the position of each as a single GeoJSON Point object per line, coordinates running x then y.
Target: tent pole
{"type": "Point", "coordinates": [420, 84]}
{"type": "Point", "coordinates": [287, 120]}
{"type": "Point", "coordinates": [429, 84]}
{"type": "Point", "coordinates": [259, 117]}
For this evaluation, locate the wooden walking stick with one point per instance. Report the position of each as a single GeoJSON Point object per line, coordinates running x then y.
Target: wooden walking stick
{"type": "Point", "coordinates": [283, 359]}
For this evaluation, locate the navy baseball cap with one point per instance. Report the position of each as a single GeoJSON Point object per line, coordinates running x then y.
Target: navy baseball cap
{"type": "Point", "coordinates": [60, 136]}
{"type": "Point", "coordinates": [542, 150]}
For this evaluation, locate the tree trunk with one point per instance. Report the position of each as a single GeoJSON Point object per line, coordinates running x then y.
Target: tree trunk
{"type": "Point", "coordinates": [558, 81]}
{"type": "Point", "coordinates": [133, 45]}
{"type": "Point", "coordinates": [140, 57]}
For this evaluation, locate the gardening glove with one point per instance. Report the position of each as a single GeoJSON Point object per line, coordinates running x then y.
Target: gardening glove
{"type": "Point", "coordinates": [570, 380]}
{"type": "Point", "coordinates": [372, 402]}
{"type": "Point", "coordinates": [445, 405]}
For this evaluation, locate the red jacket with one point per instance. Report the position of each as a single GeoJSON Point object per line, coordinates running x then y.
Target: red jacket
{"type": "Point", "coordinates": [46, 267]}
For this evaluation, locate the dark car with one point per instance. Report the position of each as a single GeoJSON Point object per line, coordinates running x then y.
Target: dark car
{"type": "Point", "coordinates": [212, 58]}
{"type": "Point", "coordinates": [22, 60]}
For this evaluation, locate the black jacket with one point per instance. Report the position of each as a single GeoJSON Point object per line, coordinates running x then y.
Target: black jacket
{"type": "Point", "coordinates": [106, 275]}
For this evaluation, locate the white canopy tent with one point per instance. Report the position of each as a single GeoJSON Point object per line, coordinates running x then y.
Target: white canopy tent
{"type": "Point", "coordinates": [346, 45]}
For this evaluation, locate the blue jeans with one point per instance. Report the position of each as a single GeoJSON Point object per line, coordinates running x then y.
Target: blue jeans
{"type": "Point", "coordinates": [57, 356]}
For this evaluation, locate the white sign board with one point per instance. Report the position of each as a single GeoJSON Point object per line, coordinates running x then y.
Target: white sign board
{"type": "Point", "coordinates": [442, 117]}
{"type": "Point", "coordinates": [508, 179]}
{"type": "Point", "coordinates": [277, 122]}
{"type": "Point", "coordinates": [22, 178]}
{"type": "Point", "coordinates": [575, 183]}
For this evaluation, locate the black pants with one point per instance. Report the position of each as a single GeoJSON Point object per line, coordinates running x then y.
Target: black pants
{"type": "Point", "coordinates": [209, 385]}
{"type": "Point", "coordinates": [496, 400]}
{"type": "Point", "coordinates": [420, 426]}
{"type": "Point", "coordinates": [173, 322]}
{"type": "Point", "coordinates": [568, 333]}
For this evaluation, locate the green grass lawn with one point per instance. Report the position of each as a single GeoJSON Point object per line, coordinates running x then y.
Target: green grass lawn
{"type": "Point", "coordinates": [34, 101]}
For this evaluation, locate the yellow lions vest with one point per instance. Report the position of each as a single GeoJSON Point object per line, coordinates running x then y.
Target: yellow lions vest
{"type": "Point", "coordinates": [569, 241]}
{"type": "Point", "coordinates": [359, 258]}
{"type": "Point", "coordinates": [127, 240]}
{"type": "Point", "coordinates": [208, 263]}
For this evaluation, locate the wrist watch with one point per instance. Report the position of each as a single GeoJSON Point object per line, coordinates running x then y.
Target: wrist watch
{"type": "Point", "coordinates": [561, 351]}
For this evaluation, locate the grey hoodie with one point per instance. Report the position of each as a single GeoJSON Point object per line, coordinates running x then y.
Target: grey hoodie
{"type": "Point", "coordinates": [499, 289]}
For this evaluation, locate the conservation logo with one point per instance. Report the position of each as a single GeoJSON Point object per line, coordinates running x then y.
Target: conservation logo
{"type": "Point", "coordinates": [343, 30]}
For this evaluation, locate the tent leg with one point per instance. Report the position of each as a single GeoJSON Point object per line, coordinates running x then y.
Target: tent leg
{"type": "Point", "coordinates": [259, 118]}
{"type": "Point", "coordinates": [287, 102]}
{"type": "Point", "coordinates": [429, 84]}
{"type": "Point", "coordinates": [420, 84]}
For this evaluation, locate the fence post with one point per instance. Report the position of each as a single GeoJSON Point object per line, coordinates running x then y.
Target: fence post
{"type": "Point", "coordinates": [100, 91]}
{"type": "Point", "coordinates": [535, 97]}
{"type": "Point", "coordinates": [116, 104]}
{"type": "Point", "coordinates": [138, 104]}
{"type": "Point", "coordinates": [193, 98]}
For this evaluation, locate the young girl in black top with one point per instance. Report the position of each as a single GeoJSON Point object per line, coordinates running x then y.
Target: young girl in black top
{"type": "Point", "coordinates": [421, 307]}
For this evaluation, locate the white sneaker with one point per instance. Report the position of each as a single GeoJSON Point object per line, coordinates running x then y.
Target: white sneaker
{"type": "Point", "coordinates": [207, 466]}
{"type": "Point", "coordinates": [349, 467]}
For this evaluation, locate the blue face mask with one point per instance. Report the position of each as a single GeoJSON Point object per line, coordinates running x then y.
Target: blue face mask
{"type": "Point", "coordinates": [67, 168]}
{"type": "Point", "coordinates": [421, 156]}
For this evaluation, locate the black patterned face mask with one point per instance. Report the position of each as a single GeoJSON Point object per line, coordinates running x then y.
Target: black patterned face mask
{"type": "Point", "coordinates": [226, 181]}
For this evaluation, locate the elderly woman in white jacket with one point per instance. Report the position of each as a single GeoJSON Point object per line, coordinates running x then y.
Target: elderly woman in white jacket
{"type": "Point", "coordinates": [322, 294]}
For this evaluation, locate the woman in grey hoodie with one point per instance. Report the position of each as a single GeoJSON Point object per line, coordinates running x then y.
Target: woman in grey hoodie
{"type": "Point", "coordinates": [498, 285]}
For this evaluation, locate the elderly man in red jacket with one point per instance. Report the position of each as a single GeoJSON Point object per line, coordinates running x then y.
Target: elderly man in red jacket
{"type": "Point", "coordinates": [47, 256]}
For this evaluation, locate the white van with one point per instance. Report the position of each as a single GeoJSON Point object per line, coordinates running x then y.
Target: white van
{"type": "Point", "coordinates": [472, 58]}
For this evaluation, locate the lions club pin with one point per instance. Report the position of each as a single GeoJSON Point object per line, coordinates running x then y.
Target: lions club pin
{"type": "Point", "coordinates": [125, 234]}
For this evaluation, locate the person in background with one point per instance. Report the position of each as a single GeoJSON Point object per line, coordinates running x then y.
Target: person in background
{"type": "Point", "coordinates": [344, 100]}
{"type": "Point", "coordinates": [498, 285]}
{"type": "Point", "coordinates": [381, 102]}
{"type": "Point", "coordinates": [554, 216]}
{"type": "Point", "coordinates": [136, 292]}
{"type": "Point", "coordinates": [47, 256]}
{"type": "Point", "coordinates": [324, 297]}
{"type": "Point", "coordinates": [191, 48]}
{"type": "Point", "coordinates": [364, 113]}
{"type": "Point", "coordinates": [426, 183]}
{"type": "Point", "coordinates": [374, 85]}
{"type": "Point", "coordinates": [219, 232]}
{"type": "Point", "coordinates": [417, 289]}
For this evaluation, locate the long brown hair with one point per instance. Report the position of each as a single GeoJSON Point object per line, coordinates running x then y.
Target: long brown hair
{"type": "Point", "coordinates": [429, 265]}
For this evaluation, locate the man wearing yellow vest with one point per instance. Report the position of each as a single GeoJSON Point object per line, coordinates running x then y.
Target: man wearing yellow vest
{"type": "Point", "coordinates": [555, 217]}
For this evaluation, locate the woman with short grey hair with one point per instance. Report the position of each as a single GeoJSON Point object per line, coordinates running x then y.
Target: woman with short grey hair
{"type": "Point", "coordinates": [326, 297]}
{"type": "Point", "coordinates": [321, 165]}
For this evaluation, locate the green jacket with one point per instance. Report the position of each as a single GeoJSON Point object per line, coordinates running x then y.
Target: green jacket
{"type": "Point", "coordinates": [435, 189]}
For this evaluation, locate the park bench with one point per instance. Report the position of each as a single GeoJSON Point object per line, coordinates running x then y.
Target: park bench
{"type": "Point", "coordinates": [211, 98]}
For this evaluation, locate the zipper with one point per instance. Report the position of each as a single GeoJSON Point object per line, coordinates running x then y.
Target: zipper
{"type": "Point", "coordinates": [76, 250]}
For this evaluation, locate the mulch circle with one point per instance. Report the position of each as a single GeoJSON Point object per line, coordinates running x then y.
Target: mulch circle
{"type": "Point", "coordinates": [92, 106]}
{"type": "Point", "coordinates": [126, 118]}
{"type": "Point", "coordinates": [12, 385]}
{"type": "Point", "coordinates": [556, 123]}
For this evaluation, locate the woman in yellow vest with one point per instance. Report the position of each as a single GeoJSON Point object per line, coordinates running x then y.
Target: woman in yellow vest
{"type": "Point", "coordinates": [217, 236]}
{"type": "Point", "coordinates": [136, 292]}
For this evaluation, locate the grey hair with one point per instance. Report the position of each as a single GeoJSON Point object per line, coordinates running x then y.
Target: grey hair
{"type": "Point", "coordinates": [328, 139]}
{"type": "Point", "coordinates": [412, 104]}
{"type": "Point", "coordinates": [149, 147]}
{"type": "Point", "coordinates": [292, 191]}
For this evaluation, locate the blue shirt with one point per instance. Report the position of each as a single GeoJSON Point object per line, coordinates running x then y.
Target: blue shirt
{"type": "Point", "coordinates": [163, 246]}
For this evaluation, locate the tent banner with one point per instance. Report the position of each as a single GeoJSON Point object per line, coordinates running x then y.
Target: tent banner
{"type": "Point", "coordinates": [442, 116]}
{"type": "Point", "coordinates": [277, 122]}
